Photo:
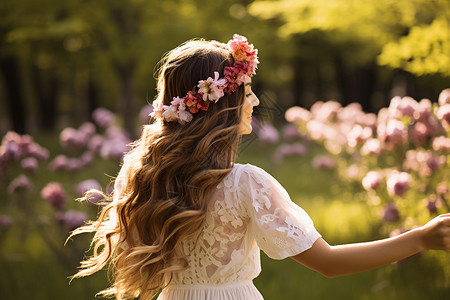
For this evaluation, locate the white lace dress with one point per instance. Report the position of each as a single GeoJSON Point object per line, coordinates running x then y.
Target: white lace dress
{"type": "Point", "coordinates": [249, 211]}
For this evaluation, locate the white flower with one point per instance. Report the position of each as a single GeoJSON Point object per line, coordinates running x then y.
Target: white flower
{"type": "Point", "coordinates": [212, 89]}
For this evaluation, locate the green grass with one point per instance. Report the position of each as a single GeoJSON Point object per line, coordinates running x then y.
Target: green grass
{"type": "Point", "coordinates": [31, 270]}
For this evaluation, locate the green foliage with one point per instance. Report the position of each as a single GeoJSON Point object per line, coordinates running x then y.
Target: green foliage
{"type": "Point", "coordinates": [411, 35]}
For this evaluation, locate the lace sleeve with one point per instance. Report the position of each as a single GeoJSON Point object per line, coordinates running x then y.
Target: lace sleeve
{"type": "Point", "coordinates": [280, 227]}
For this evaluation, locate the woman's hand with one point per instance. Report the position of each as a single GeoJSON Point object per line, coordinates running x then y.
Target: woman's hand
{"type": "Point", "coordinates": [436, 233]}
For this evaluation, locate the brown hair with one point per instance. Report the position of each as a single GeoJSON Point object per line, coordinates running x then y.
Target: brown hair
{"type": "Point", "coordinates": [169, 174]}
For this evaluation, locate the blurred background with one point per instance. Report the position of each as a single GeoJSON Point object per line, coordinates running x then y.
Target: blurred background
{"type": "Point", "coordinates": [76, 78]}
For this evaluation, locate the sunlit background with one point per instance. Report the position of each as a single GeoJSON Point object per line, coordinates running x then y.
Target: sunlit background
{"type": "Point", "coordinates": [354, 121]}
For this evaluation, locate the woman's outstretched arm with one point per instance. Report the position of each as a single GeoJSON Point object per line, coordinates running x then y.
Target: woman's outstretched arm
{"type": "Point", "coordinates": [333, 261]}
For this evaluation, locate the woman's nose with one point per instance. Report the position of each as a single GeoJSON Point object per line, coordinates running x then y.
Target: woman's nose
{"type": "Point", "coordinates": [255, 101]}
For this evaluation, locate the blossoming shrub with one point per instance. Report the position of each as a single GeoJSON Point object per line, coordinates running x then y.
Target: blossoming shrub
{"type": "Point", "coordinates": [38, 188]}
{"type": "Point", "coordinates": [399, 156]}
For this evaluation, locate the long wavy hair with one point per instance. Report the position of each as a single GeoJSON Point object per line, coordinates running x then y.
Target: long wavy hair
{"type": "Point", "coordinates": [169, 174]}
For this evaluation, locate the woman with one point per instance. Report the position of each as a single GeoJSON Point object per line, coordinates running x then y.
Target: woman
{"type": "Point", "coordinates": [187, 220]}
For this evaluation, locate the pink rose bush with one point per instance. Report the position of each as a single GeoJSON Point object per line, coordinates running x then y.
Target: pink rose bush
{"type": "Point", "coordinates": [399, 156]}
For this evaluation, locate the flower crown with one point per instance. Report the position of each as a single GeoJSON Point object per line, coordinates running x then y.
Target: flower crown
{"type": "Point", "coordinates": [212, 89]}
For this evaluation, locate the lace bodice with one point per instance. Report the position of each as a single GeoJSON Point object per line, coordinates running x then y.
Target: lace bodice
{"type": "Point", "coordinates": [248, 211]}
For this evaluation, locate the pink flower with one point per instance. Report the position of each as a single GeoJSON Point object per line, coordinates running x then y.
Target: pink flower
{"type": "Point", "coordinates": [423, 110]}
{"type": "Point", "coordinates": [54, 194]}
{"type": "Point", "coordinates": [297, 115]}
{"type": "Point", "coordinates": [443, 189]}
{"type": "Point", "coordinates": [441, 143]}
{"type": "Point", "coordinates": [185, 116]}
{"type": "Point", "coordinates": [241, 50]}
{"type": "Point", "coordinates": [170, 113]}
{"type": "Point", "coordinates": [422, 132]}
{"type": "Point", "coordinates": [394, 134]}
{"type": "Point", "coordinates": [372, 180]}
{"type": "Point", "coordinates": [212, 89]}
{"type": "Point", "coordinates": [443, 114]}
{"type": "Point", "coordinates": [391, 213]}
{"type": "Point", "coordinates": [5, 222]}
{"type": "Point", "coordinates": [157, 110]}
{"type": "Point", "coordinates": [29, 164]}
{"type": "Point", "coordinates": [71, 138]}
{"type": "Point", "coordinates": [268, 134]}
{"type": "Point", "coordinates": [444, 97]}
{"type": "Point", "coordinates": [400, 107]}
{"type": "Point", "coordinates": [323, 162]}
{"type": "Point", "coordinates": [398, 183]}
{"type": "Point", "coordinates": [358, 135]}
{"type": "Point", "coordinates": [19, 184]}
{"type": "Point", "coordinates": [60, 162]}
{"type": "Point", "coordinates": [325, 111]}
{"type": "Point", "coordinates": [371, 146]}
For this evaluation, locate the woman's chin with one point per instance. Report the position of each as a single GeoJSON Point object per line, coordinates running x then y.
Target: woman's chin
{"type": "Point", "coordinates": [247, 129]}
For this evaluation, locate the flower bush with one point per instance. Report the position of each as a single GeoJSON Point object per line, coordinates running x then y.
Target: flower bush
{"type": "Point", "coordinates": [400, 156]}
{"type": "Point", "coordinates": [40, 187]}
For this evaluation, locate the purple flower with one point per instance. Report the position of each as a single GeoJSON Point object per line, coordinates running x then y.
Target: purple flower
{"type": "Point", "coordinates": [398, 183]}
{"type": "Point", "coordinates": [87, 130]}
{"type": "Point", "coordinates": [390, 213]}
{"type": "Point", "coordinates": [144, 114]}
{"type": "Point", "coordinates": [29, 164]}
{"type": "Point", "coordinates": [296, 149]}
{"type": "Point", "coordinates": [74, 164]}
{"type": "Point", "coordinates": [431, 206]}
{"type": "Point", "coordinates": [21, 183]}
{"type": "Point", "coordinates": [54, 194]}
{"type": "Point", "coordinates": [72, 219]}
{"type": "Point", "coordinates": [95, 143]}
{"type": "Point", "coordinates": [86, 185]}
{"type": "Point", "coordinates": [5, 222]}
{"type": "Point", "coordinates": [10, 151]}
{"type": "Point", "coordinates": [268, 134]}
{"type": "Point", "coordinates": [71, 138]}
{"type": "Point", "coordinates": [290, 132]}
{"type": "Point", "coordinates": [38, 152]}
{"type": "Point", "coordinates": [372, 180]}
{"type": "Point", "coordinates": [86, 158]}
{"type": "Point", "coordinates": [323, 162]}
{"type": "Point", "coordinates": [103, 117]}
{"type": "Point", "coordinates": [59, 163]}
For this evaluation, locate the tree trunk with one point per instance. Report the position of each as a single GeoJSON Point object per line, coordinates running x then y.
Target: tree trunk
{"type": "Point", "coordinates": [14, 96]}
{"type": "Point", "coordinates": [127, 100]}
{"type": "Point", "coordinates": [46, 86]}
